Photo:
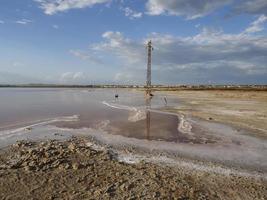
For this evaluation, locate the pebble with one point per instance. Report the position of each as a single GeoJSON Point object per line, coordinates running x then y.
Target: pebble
{"type": "Point", "coordinates": [71, 147]}
{"type": "Point", "coordinates": [76, 166]}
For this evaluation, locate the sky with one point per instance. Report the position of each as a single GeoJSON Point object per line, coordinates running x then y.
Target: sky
{"type": "Point", "coordinates": [104, 41]}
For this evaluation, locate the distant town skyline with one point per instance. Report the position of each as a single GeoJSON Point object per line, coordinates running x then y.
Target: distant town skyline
{"type": "Point", "coordinates": [103, 41]}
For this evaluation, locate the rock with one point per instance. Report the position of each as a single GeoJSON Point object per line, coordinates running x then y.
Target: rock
{"type": "Point", "coordinates": [45, 160]}
{"type": "Point", "coordinates": [3, 166]}
{"type": "Point", "coordinates": [29, 168]}
{"type": "Point", "coordinates": [52, 197]}
{"type": "Point", "coordinates": [97, 193]}
{"type": "Point", "coordinates": [42, 144]}
{"type": "Point", "coordinates": [117, 174]}
{"type": "Point", "coordinates": [131, 186]}
{"type": "Point", "coordinates": [110, 189]}
{"type": "Point", "coordinates": [28, 128]}
{"type": "Point", "coordinates": [19, 144]}
{"type": "Point", "coordinates": [64, 166]}
{"type": "Point", "coordinates": [76, 166]}
{"type": "Point", "coordinates": [156, 194]}
{"type": "Point", "coordinates": [122, 186]}
{"type": "Point", "coordinates": [14, 164]}
{"type": "Point", "coordinates": [58, 134]}
{"type": "Point", "coordinates": [48, 154]}
{"type": "Point", "coordinates": [32, 163]}
{"type": "Point", "coordinates": [61, 167]}
{"type": "Point", "coordinates": [16, 145]}
{"type": "Point", "coordinates": [56, 163]}
{"type": "Point", "coordinates": [89, 144]}
{"type": "Point", "coordinates": [32, 151]}
{"type": "Point", "coordinates": [78, 180]}
{"type": "Point", "coordinates": [72, 147]}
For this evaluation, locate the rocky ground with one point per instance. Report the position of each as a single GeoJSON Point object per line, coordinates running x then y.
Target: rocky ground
{"type": "Point", "coordinates": [73, 169]}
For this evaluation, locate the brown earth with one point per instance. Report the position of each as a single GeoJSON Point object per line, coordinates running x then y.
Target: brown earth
{"type": "Point", "coordinates": [242, 109]}
{"type": "Point", "coordinates": [74, 170]}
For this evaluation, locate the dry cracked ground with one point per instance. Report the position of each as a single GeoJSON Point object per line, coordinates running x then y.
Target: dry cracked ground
{"type": "Point", "coordinates": [72, 169]}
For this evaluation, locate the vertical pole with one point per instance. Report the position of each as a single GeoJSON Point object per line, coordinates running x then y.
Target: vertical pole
{"type": "Point", "coordinates": [147, 124]}
{"type": "Point", "coordinates": [148, 106]}
{"type": "Point", "coordinates": [148, 87]}
{"type": "Point", "coordinates": [149, 54]}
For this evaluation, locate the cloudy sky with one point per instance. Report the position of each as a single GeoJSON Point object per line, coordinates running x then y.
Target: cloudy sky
{"type": "Point", "coordinates": [103, 41]}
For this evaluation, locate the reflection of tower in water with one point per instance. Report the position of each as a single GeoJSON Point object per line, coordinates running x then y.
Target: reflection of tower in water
{"type": "Point", "coordinates": [148, 104]}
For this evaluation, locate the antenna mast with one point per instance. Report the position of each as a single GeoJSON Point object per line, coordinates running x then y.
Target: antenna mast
{"type": "Point", "coordinates": [149, 58]}
{"type": "Point", "coordinates": [148, 87]}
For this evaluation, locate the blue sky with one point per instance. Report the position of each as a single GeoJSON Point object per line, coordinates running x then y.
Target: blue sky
{"type": "Point", "coordinates": [103, 41]}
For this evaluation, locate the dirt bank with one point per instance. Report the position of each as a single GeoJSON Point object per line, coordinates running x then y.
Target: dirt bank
{"type": "Point", "coordinates": [74, 169]}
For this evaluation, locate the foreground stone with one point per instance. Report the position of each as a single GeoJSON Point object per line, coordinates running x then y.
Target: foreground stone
{"type": "Point", "coordinates": [74, 170]}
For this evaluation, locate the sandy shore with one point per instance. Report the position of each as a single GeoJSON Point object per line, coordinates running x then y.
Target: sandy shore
{"type": "Point", "coordinates": [242, 109]}
{"type": "Point", "coordinates": [80, 169]}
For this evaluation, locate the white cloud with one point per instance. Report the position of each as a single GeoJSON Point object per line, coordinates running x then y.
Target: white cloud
{"type": "Point", "coordinates": [197, 25]}
{"type": "Point", "coordinates": [131, 13]}
{"type": "Point", "coordinates": [123, 77]}
{"type": "Point", "coordinates": [257, 25]}
{"type": "Point", "coordinates": [78, 75]}
{"type": "Point", "coordinates": [252, 7]}
{"type": "Point", "coordinates": [116, 43]}
{"type": "Point", "coordinates": [51, 7]}
{"type": "Point", "coordinates": [24, 21]}
{"type": "Point", "coordinates": [126, 76]}
{"type": "Point", "coordinates": [190, 8]}
{"type": "Point", "coordinates": [94, 58]}
{"type": "Point", "coordinates": [72, 77]}
{"type": "Point", "coordinates": [209, 55]}
{"type": "Point", "coordinates": [17, 64]}
{"type": "Point", "coordinates": [55, 26]}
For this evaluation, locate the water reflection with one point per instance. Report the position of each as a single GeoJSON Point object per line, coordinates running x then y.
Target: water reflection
{"type": "Point", "coordinates": [130, 115]}
{"type": "Point", "coordinates": [148, 98]}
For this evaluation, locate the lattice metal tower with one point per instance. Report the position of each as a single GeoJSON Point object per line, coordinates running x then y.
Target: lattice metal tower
{"type": "Point", "coordinates": [149, 54]}
{"type": "Point", "coordinates": [148, 87]}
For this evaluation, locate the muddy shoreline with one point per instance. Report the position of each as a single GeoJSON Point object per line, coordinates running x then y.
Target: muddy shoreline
{"type": "Point", "coordinates": [78, 168]}
{"type": "Point", "coordinates": [220, 152]}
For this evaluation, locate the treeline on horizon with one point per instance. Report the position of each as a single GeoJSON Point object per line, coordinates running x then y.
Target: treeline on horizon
{"type": "Point", "coordinates": [154, 87]}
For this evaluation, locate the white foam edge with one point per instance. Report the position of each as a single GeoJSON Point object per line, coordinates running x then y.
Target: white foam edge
{"type": "Point", "coordinates": [183, 126]}
{"type": "Point", "coordinates": [130, 158]}
{"type": "Point", "coordinates": [40, 123]}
